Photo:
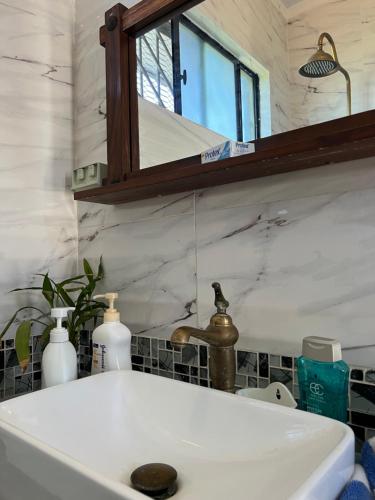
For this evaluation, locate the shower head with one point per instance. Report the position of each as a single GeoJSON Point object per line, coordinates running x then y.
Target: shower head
{"type": "Point", "coordinates": [319, 65]}
{"type": "Point", "coordinates": [322, 64]}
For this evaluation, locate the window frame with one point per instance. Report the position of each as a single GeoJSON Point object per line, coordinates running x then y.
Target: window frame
{"type": "Point", "coordinates": [237, 64]}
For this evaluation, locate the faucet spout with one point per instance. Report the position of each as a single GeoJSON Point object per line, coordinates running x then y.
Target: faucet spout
{"type": "Point", "coordinates": [212, 336]}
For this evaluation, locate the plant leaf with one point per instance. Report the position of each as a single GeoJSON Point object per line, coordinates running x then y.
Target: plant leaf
{"type": "Point", "coordinates": [10, 322]}
{"type": "Point", "coordinates": [26, 288]}
{"type": "Point", "coordinates": [22, 344]}
{"type": "Point", "coordinates": [64, 296]}
{"type": "Point", "coordinates": [88, 270]}
{"type": "Point", "coordinates": [73, 280]}
{"type": "Point", "coordinates": [48, 291]}
{"type": "Point", "coordinates": [45, 335]}
{"type": "Point", "coordinates": [100, 274]}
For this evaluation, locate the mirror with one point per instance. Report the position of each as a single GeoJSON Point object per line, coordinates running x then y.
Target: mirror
{"type": "Point", "coordinates": [247, 69]}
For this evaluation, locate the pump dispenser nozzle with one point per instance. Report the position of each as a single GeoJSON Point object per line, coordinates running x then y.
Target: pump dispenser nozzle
{"type": "Point", "coordinates": [59, 334]}
{"type": "Point", "coordinates": [59, 313]}
{"type": "Point", "coordinates": [111, 314]}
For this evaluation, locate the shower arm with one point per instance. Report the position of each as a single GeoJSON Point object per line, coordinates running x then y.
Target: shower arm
{"type": "Point", "coordinates": [339, 67]}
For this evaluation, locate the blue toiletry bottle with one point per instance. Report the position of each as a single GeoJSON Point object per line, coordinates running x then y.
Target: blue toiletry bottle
{"type": "Point", "coordinates": [323, 378]}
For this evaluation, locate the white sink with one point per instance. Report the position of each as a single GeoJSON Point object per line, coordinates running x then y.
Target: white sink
{"type": "Point", "coordinates": [81, 441]}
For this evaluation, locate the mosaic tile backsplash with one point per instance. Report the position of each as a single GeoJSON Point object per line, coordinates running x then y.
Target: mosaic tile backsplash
{"type": "Point", "coordinates": [156, 356]}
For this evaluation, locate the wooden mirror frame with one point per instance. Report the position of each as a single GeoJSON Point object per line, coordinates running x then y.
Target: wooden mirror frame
{"type": "Point", "coordinates": [343, 139]}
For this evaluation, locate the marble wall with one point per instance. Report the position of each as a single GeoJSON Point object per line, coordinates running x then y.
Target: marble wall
{"type": "Point", "coordinates": [37, 214]}
{"type": "Point", "coordinates": [294, 253]}
{"type": "Point", "coordinates": [352, 25]}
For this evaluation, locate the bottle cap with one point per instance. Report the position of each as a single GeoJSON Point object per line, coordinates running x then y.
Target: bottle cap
{"type": "Point", "coordinates": [111, 314]}
{"type": "Point", "coordinates": [60, 334]}
{"type": "Point", "coordinates": [321, 349]}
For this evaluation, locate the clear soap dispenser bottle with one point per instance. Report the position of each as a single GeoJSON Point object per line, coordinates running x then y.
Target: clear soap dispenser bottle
{"type": "Point", "coordinates": [111, 341]}
{"type": "Point", "coordinates": [323, 378]}
{"type": "Point", "coordinates": [59, 361]}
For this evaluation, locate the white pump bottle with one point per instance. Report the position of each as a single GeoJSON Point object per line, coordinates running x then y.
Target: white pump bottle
{"type": "Point", "coordinates": [111, 341]}
{"type": "Point", "coordinates": [59, 361]}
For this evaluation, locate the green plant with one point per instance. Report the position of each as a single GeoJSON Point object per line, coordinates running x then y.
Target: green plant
{"type": "Point", "coordinates": [72, 292]}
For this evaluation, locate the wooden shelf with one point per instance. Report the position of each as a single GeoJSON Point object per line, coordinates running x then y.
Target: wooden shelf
{"type": "Point", "coordinates": [330, 142]}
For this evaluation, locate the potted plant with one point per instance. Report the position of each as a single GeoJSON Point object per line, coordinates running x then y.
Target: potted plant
{"type": "Point", "coordinates": [76, 291]}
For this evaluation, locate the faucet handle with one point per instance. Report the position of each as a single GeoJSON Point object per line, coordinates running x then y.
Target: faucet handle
{"type": "Point", "coordinates": [220, 302]}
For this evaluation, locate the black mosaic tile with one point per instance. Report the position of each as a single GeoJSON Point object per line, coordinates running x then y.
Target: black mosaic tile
{"type": "Point", "coordinates": [247, 363]}
{"type": "Point", "coordinates": [263, 365]}
{"type": "Point", "coordinates": [184, 369]}
{"type": "Point", "coordinates": [252, 382]}
{"type": "Point", "coordinates": [9, 343]}
{"type": "Point", "coordinates": [37, 343]}
{"type": "Point", "coordinates": [283, 376]}
{"type": "Point", "coordinates": [370, 376]}
{"type": "Point", "coordinates": [363, 419]}
{"type": "Point", "coordinates": [359, 433]}
{"type": "Point", "coordinates": [84, 338]}
{"type": "Point", "coordinates": [165, 374]}
{"type": "Point", "coordinates": [144, 346]}
{"type": "Point", "coordinates": [286, 362]}
{"type": "Point", "coordinates": [23, 384]}
{"type": "Point", "coordinates": [166, 360]}
{"type": "Point", "coordinates": [362, 397]}
{"type": "Point", "coordinates": [147, 369]}
{"type": "Point", "coordinates": [154, 348]}
{"type": "Point", "coordinates": [11, 359]}
{"type": "Point", "coordinates": [356, 374]}
{"type": "Point", "coordinates": [194, 371]}
{"type": "Point", "coordinates": [137, 360]}
{"type": "Point", "coordinates": [203, 355]}
{"type": "Point", "coordinates": [189, 355]}
{"type": "Point", "coordinates": [37, 375]}
{"type": "Point", "coordinates": [182, 378]}
{"type": "Point", "coordinates": [263, 383]}
{"type": "Point", "coordinates": [2, 362]}
{"type": "Point", "coordinates": [203, 383]}
{"type": "Point", "coordinates": [137, 368]}
{"type": "Point", "coordinates": [168, 345]}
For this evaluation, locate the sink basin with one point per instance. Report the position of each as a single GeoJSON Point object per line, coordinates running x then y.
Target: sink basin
{"type": "Point", "coordinates": [83, 439]}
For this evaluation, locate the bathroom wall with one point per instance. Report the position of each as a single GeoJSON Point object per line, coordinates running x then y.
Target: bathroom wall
{"type": "Point", "coordinates": [294, 252]}
{"type": "Point", "coordinates": [352, 25]}
{"type": "Point", "coordinates": [37, 214]}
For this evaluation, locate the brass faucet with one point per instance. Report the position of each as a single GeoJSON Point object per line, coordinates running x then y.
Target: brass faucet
{"type": "Point", "coordinates": [220, 335]}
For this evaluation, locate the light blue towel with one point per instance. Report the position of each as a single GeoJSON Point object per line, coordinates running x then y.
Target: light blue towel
{"type": "Point", "coordinates": [358, 487]}
{"type": "Point", "coordinates": [368, 461]}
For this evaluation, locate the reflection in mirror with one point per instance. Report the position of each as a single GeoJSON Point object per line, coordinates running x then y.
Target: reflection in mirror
{"type": "Point", "coordinates": [233, 69]}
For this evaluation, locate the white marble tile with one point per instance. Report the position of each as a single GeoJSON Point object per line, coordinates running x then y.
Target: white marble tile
{"type": "Point", "coordinates": [291, 269]}
{"type": "Point", "coordinates": [27, 248]}
{"type": "Point", "coordinates": [38, 220]}
{"type": "Point", "coordinates": [151, 263]}
{"type": "Point", "coordinates": [90, 214]}
{"type": "Point", "coordinates": [328, 179]}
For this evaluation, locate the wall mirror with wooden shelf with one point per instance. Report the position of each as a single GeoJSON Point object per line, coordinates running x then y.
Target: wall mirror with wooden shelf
{"type": "Point", "coordinates": [190, 74]}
